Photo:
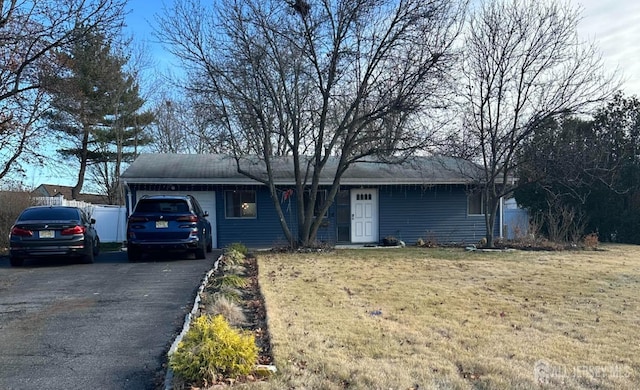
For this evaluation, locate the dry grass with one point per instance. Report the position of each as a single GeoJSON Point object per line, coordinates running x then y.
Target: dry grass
{"type": "Point", "coordinates": [222, 305]}
{"type": "Point", "coordinates": [449, 319]}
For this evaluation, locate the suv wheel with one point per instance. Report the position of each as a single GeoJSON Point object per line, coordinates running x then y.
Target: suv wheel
{"type": "Point", "coordinates": [210, 245]}
{"type": "Point", "coordinates": [133, 254]}
{"type": "Point", "coordinates": [200, 252]}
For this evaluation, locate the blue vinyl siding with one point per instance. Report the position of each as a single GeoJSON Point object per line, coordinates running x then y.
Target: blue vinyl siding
{"type": "Point", "coordinates": [260, 232]}
{"type": "Point", "coordinates": [408, 212]}
{"type": "Point", "coordinates": [437, 213]}
{"type": "Point", "coordinates": [263, 231]}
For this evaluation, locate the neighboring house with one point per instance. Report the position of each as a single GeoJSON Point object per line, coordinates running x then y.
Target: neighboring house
{"type": "Point", "coordinates": [426, 197]}
{"type": "Point", "coordinates": [53, 190]}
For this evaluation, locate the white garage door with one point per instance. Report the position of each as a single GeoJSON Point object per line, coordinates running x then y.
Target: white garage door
{"type": "Point", "coordinates": [207, 200]}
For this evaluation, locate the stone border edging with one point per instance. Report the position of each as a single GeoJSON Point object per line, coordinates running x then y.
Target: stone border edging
{"type": "Point", "coordinates": [168, 379]}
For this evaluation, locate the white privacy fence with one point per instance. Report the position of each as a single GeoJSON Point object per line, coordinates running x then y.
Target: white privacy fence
{"type": "Point", "coordinates": [111, 221]}
{"type": "Point", "coordinates": [61, 201]}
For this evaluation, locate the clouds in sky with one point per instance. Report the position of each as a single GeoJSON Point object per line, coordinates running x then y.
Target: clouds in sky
{"type": "Point", "coordinates": [615, 27]}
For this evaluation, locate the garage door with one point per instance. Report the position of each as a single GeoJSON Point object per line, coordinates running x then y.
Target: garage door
{"type": "Point", "coordinates": [207, 200]}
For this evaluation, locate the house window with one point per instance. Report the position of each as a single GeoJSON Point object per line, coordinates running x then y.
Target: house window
{"type": "Point", "coordinates": [240, 204]}
{"type": "Point", "coordinates": [475, 202]}
{"type": "Point", "coordinates": [321, 198]}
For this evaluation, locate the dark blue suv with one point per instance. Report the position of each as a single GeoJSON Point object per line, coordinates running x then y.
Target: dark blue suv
{"type": "Point", "coordinates": [168, 222]}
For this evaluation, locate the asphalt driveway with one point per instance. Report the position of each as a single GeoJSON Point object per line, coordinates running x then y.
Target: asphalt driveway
{"type": "Point", "coordinates": [106, 325]}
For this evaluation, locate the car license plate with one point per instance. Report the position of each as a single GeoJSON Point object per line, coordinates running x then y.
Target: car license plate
{"type": "Point", "coordinates": [162, 224]}
{"type": "Point", "coordinates": [46, 234]}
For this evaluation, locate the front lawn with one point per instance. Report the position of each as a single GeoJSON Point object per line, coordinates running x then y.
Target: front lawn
{"type": "Point", "coordinates": [444, 318]}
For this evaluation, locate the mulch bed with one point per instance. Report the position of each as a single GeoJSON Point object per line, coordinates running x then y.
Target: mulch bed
{"type": "Point", "coordinates": [255, 311]}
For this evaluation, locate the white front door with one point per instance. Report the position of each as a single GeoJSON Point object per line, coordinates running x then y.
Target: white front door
{"type": "Point", "coordinates": [364, 215]}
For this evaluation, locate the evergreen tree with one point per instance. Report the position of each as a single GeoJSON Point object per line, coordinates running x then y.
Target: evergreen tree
{"type": "Point", "coordinates": [119, 140]}
{"type": "Point", "coordinates": [94, 106]}
{"type": "Point", "coordinates": [584, 176]}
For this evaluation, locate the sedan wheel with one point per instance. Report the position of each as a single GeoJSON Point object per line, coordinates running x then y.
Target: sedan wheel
{"type": "Point", "coordinates": [16, 261]}
{"type": "Point", "coordinates": [96, 248]}
{"type": "Point", "coordinates": [88, 259]}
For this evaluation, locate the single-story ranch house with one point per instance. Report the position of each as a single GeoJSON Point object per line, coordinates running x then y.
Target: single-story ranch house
{"type": "Point", "coordinates": [431, 198]}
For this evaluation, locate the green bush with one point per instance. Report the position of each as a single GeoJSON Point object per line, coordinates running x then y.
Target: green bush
{"type": "Point", "coordinates": [231, 280]}
{"type": "Point", "coordinates": [212, 349]}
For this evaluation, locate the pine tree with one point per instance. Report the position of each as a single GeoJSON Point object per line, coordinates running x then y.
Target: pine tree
{"type": "Point", "coordinates": [120, 140]}
{"type": "Point", "coordinates": [94, 108]}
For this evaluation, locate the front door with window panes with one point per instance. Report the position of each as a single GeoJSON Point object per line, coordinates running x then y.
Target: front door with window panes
{"type": "Point", "coordinates": [364, 215]}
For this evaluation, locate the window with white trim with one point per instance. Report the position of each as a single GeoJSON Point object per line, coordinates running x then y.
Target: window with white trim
{"type": "Point", "coordinates": [240, 204]}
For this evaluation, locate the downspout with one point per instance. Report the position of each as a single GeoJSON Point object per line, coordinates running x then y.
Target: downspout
{"type": "Point", "coordinates": [129, 199]}
{"type": "Point", "coordinates": [501, 217]}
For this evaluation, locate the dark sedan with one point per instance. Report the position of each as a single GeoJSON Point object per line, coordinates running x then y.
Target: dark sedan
{"type": "Point", "coordinates": [46, 231]}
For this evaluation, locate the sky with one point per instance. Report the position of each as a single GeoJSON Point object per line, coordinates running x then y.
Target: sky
{"type": "Point", "coordinates": [614, 25]}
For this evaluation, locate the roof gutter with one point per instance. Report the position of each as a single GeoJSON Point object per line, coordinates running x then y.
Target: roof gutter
{"type": "Point", "coordinates": [348, 182]}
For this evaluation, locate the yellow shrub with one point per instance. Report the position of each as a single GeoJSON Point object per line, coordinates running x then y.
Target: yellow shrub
{"type": "Point", "coordinates": [212, 348]}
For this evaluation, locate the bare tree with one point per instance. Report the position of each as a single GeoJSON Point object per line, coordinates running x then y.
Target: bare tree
{"type": "Point", "coordinates": [31, 33]}
{"type": "Point", "coordinates": [185, 126]}
{"type": "Point", "coordinates": [317, 80]}
{"type": "Point", "coordinates": [524, 64]}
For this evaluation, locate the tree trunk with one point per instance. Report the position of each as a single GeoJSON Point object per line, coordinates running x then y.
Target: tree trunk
{"type": "Point", "coordinates": [490, 210]}
{"type": "Point", "coordinates": [84, 152]}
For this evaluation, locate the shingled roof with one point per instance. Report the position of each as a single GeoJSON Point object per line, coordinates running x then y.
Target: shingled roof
{"type": "Point", "coordinates": [221, 169]}
{"type": "Point", "coordinates": [51, 190]}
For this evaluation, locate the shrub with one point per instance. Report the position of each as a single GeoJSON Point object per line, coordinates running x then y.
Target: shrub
{"type": "Point", "coordinates": [431, 242]}
{"type": "Point", "coordinates": [212, 349]}
{"type": "Point", "coordinates": [228, 309]}
{"type": "Point", "coordinates": [238, 246]}
{"type": "Point", "coordinates": [230, 293]}
{"type": "Point", "coordinates": [390, 241]}
{"type": "Point", "coordinates": [231, 280]}
{"type": "Point", "coordinates": [13, 202]}
{"type": "Point", "coordinates": [591, 241]}
{"type": "Point", "coordinates": [233, 257]}
{"type": "Point", "coordinates": [235, 269]}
